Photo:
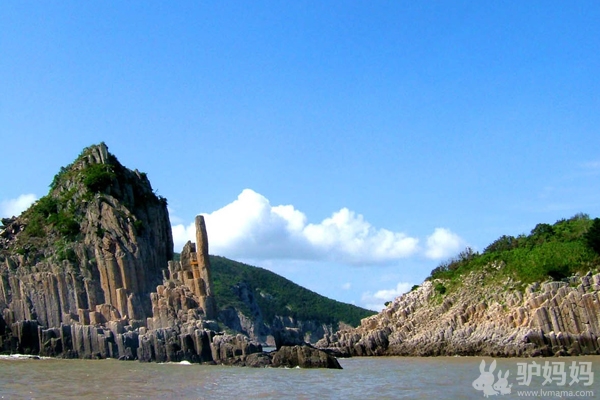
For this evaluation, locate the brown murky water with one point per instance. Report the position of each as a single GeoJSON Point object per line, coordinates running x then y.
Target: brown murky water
{"type": "Point", "coordinates": [361, 378]}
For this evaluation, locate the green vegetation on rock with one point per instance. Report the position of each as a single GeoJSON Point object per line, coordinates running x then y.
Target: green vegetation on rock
{"type": "Point", "coordinates": [549, 252]}
{"type": "Point", "coordinates": [51, 227]}
{"type": "Point", "coordinates": [97, 177]}
{"type": "Point", "coordinates": [48, 213]}
{"type": "Point", "coordinates": [277, 296]}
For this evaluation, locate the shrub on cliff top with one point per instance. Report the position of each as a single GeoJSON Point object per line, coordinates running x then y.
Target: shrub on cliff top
{"type": "Point", "coordinates": [548, 252]}
{"type": "Point", "coordinates": [97, 177]}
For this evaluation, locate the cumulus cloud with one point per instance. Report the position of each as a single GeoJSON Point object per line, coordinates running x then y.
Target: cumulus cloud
{"type": "Point", "coordinates": [182, 233]}
{"type": "Point", "coordinates": [351, 235]}
{"type": "Point", "coordinates": [15, 207]}
{"type": "Point", "coordinates": [443, 243]}
{"type": "Point", "coordinates": [376, 301]}
{"type": "Point", "coordinates": [251, 228]}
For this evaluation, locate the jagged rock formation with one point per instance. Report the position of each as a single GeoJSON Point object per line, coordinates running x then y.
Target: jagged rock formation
{"type": "Point", "coordinates": [186, 294]}
{"type": "Point", "coordinates": [182, 327]}
{"type": "Point", "coordinates": [120, 240]}
{"type": "Point", "coordinates": [78, 270]}
{"type": "Point", "coordinates": [553, 318]}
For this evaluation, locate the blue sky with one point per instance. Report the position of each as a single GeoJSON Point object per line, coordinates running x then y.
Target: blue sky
{"type": "Point", "coordinates": [348, 145]}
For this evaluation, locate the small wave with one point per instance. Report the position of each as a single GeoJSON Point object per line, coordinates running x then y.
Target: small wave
{"type": "Point", "coordinates": [184, 362]}
{"type": "Point", "coordinates": [22, 357]}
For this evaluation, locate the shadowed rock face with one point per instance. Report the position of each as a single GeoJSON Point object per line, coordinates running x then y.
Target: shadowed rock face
{"type": "Point", "coordinates": [104, 268]}
{"type": "Point", "coordinates": [553, 318]}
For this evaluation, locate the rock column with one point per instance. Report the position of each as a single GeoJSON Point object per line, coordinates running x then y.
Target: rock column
{"type": "Point", "coordinates": [207, 300]}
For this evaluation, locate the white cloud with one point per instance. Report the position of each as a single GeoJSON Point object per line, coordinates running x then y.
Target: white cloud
{"type": "Point", "coordinates": [14, 207]}
{"type": "Point", "coordinates": [182, 233]}
{"type": "Point", "coordinates": [346, 286]}
{"type": "Point", "coordinates": [443, 243]}
{"type": "Point", "coordinates": [376, 301]}
{"type": "Point", "coordinates": [251, 228]}
{"type": "Point", "coordinates": [349, 234]}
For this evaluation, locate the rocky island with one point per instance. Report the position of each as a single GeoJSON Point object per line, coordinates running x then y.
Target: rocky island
{"type": "Point", "coordinates": [88, 272]}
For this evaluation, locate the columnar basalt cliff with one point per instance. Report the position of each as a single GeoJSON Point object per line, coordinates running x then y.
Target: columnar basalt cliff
{"type": "Point", "coordinates": [87, 272]}
{"type": "Point", "coordinates": [90, 251]}
{"type": "Point", "coordinates": [552, 318]}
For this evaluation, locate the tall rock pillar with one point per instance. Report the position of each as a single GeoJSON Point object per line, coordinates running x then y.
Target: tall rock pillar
{"type": "Point", "coordinates": [207, 300]}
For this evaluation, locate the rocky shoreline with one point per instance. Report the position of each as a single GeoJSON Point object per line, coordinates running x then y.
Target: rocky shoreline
{"type": "Point", "coordinates": [201, 345]}
{"type": "Point", "coordinates": [545, 319]}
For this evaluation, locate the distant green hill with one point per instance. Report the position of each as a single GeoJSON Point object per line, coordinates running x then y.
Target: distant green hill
{"type": "Point", "coordinates": [277, 296]}
{"type": "Point", "coordinates": [549, 252]}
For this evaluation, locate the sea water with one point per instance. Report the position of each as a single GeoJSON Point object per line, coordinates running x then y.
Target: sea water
{"type": "Point", "coordinates": [361, 378]}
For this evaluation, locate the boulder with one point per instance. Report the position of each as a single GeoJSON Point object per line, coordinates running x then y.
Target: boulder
{"type": "Point", "coordinates": [303, 357]}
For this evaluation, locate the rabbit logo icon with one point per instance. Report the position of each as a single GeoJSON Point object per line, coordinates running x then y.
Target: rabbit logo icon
{"type": "Point", "coordinates": [486, 379]}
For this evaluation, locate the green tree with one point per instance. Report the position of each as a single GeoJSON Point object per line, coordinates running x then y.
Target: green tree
{"type": "Point", "coordinates": [592, 236]}
{"type": "Point", "coordinates": [503, 243]}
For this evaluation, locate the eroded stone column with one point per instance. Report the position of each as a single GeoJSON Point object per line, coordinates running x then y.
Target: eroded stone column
{"type": "Point", "coordinates": [207, 300]}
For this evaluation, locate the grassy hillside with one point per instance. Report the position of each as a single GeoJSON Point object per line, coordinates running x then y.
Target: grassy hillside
{"type": "Point", "coordinates": [278, 296]}
{"type": "Point", "coordinates": [549, 252]}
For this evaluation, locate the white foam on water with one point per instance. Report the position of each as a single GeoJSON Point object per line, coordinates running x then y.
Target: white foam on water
{"type": "Point", "coordinates": [22, 357]}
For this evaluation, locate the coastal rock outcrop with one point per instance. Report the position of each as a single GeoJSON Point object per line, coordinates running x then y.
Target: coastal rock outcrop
{"type": "Point", "coordinates": [552, 318]}
{"type": "Point", "coordinates": [92, 250]}
{"type": "Point", "coordinates": [88, 272]}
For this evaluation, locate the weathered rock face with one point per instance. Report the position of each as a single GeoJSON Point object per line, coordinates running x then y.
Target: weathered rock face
{"type": "Point", "coordinates": [103, 241]}
{"type": "Point", "coordinates": [187, 289]}
{"type": "Point", "coordinates": [554, 318]}
{"type": "Point", "coordinates": [186, 293]}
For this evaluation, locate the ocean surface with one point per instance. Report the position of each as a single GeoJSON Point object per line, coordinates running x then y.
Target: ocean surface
{"type": "Point", "coordinates": [361, 378]}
